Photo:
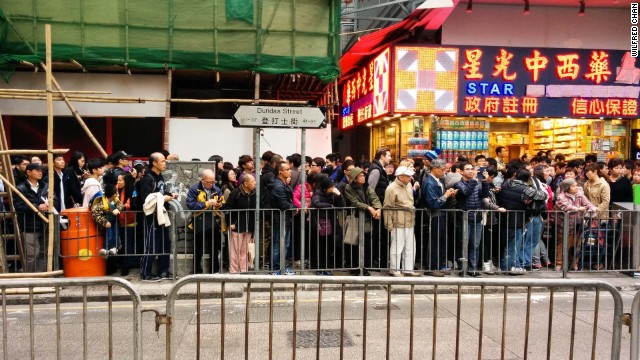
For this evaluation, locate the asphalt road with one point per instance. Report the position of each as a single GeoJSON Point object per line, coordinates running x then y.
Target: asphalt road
{"type": "Point", "coordinates": [376, 337]}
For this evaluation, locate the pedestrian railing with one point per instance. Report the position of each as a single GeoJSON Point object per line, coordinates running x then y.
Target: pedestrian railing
{"type": "Point", "coordinates": [65, 318]}
{"type": "Point", "coordinates": [635, 328]}
{"type": "Point", "coordinates": [341, 317]}
{"type": "Point", "coordinates": [323, 241]}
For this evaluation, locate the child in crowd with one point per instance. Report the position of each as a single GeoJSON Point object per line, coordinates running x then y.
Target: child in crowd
{"type": "Point", "coordinates": [105, 210]}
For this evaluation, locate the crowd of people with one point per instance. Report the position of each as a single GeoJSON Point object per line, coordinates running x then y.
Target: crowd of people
{"type": "Point", "coordinates": [505, 199]}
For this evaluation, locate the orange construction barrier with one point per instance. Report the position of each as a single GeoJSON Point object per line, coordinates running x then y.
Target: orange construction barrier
{"type": "Point", "coordinates": [80, 245]}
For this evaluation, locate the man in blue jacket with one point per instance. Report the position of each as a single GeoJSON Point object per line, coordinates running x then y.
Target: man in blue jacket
{"type": "Point", "coordinates": [436, 199]}
{"type": "Point", "coordinates": [281, 198]}
{"type": "Point", "coordinates": [469, 200]}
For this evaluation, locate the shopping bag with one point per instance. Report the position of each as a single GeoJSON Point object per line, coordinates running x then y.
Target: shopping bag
{"type": "Point", "coordinates": [351, 231]}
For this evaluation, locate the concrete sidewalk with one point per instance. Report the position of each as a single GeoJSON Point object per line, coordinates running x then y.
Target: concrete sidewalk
{"type": "Point", "coordinates": [157, 291]}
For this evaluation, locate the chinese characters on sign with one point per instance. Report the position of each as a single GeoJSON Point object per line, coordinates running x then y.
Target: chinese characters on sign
{"type": "Point", "coordinates": [604, 107]}
{"type": "Point", "coordinates": [278, 116]}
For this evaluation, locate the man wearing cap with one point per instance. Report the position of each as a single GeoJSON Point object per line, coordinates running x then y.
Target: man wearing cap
{"type": "Point", "coordinates": [399, 220]}
{"type": "Point", "coordinates": [36, 191]}
{"type": "Point", "coordinates": [120, 160]}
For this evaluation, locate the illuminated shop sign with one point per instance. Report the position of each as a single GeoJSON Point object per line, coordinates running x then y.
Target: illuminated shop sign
{"type": "Point", "coordinates": [366, 94]}
{"type": "Point", "coordinates": [548, 82]}
{"type": "Point", "coordinates": [425, 80]}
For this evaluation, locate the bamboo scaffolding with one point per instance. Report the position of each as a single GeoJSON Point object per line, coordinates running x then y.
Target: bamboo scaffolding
{"type": "Point", "coordinates": [98, 99]}
{"type": "Point", "coordinates": [49, 78]}
{"type": "Point", "coordinates": [75, 113]}
{"type": "Point", "coordinates": [33, 152]}
{"type": "Point", "coordinates": [29, 204]}
{"type": "Point", "coordinates": [167, 110]}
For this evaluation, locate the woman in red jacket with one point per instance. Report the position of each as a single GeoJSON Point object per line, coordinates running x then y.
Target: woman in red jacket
{"type": "Point", "coordinates": [127, 220]}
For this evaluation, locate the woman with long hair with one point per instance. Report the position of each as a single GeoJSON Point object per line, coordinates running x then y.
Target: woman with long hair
{"type": "Point", "coordinates": [74, 176]}
{"type": "Point", "coordinates": [127, 220]}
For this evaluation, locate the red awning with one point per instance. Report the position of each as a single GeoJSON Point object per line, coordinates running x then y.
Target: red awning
{"type": "Point", "coordinates": [372, 43]}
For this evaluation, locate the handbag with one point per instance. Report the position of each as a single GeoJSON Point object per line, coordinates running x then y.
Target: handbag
{"type": "Point", "coordinates": [351, 235]}
{"type": "Point", "coordinates": [324, 227]}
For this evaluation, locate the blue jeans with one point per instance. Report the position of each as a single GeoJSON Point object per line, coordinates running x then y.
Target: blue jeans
{"type": "Point", "coordinates": [475, 237]}
{"type": "Point", "coordinates": [513, 245]}
{"type": "Point", "coordinates": [112, 238]}
{"type": "Point", "coordinates": [531, 238]}
{"type": "Point", "coordinates": [275, 244]}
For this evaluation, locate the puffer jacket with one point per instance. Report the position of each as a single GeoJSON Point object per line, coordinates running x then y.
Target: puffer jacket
{"type": "Point", "coordinates": [102, 210]}
{"type": "Point", "coordinates": [397, 196]}
{"type": "Point", "coordinates": [569, 205]}
{"type": "Point", "coordinates": [468, 196]}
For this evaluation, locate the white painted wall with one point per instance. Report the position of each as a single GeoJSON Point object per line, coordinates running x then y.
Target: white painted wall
{"type": "Point", "coordinates": [120, 85]}
{"type": "Point", "coordinates": [200, 138]}
{"type": "Point", "coordinates": [558, 27]}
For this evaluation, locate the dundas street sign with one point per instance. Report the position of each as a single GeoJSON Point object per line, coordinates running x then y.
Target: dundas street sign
{"type": "Point", "coordinates": [257, 116]}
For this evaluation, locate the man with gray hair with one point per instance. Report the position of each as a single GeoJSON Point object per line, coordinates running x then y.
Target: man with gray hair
{"type": "Point", "coordinates": [436, 199]}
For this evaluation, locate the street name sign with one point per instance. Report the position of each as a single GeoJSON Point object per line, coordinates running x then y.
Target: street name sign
{"type": "Point", "coordinates": [257, 116]}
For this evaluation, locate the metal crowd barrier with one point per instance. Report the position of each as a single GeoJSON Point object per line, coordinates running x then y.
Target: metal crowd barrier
{"type": "Point", "coordinates": [635, 328]}
{"type": "Point", "coordinates": [342, 317]}
{"type": "Point", "coordinates": [562, 241]}
{"type": "Point", "coordinates": [30, 330]}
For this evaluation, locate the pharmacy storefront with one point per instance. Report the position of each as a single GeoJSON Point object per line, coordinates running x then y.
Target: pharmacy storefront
{"type": "Point", "coordinates": [470, 100]}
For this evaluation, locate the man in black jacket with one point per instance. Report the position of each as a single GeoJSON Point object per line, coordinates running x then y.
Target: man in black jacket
{"type": "Point", "coordinates": [33, 228]}
{"type": "Point", "coordinates": [378, 181]}
{"type": "Point", "coordinates": [468, 199]}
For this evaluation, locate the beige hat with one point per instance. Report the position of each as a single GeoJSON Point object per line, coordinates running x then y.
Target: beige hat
{"type": "Point", "coordinates": [403, 170]}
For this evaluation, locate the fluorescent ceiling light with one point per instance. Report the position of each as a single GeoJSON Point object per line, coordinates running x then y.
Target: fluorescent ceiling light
{"type": "Point", "coordinates": [434, 4]}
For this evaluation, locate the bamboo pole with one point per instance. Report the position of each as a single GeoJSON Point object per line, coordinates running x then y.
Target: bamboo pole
{"type": "Point", "coordinates": [44, 92]}
{"type": "Point", "coordinates": [167, 110]}
{"type": "Point", "coordinates": [48, 78]}
{"type": "Point", "coordinates": [29, 204]}
{"type": "Point", "coordinates": [98, 99]}
{"type": "Point", "coordinates": [34, 152]}
{"type": "Point", "coordinates": [74, 111]}
{"type": "Point", "coordinates": [31, 275]}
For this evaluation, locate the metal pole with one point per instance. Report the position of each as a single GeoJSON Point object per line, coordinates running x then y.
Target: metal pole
{"type": "Point", "coordinates": [303, 201]}
{"type": "Point", "coordinates": [565, 244]}
{"type": "Point", "coordinates": [361, 255]}
{"type": "Point", "coordinates": [256, 147]}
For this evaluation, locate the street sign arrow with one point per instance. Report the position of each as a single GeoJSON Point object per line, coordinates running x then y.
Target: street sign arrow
{"type": "Point", "coordinates": [257, 116]}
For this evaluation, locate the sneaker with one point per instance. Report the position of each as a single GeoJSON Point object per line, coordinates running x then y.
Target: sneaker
{"type": "Point", "coordinates": [113, 251]}
{"type": "Point", "coordinates": [445, 270]}
{"type": "Point", "coordinates": [104, 253]}
{"type": "Point", "coordinates": [395, 273]}
{"type": "Point", "coordinates": [151, 278]}
{"type": "Point", "coordinates": [486, 266]}
{"type": "Point", "coordinates": [473, 273]}
{"type": "Point", "coordinates": [277, 273]}
{"type": "Point", "coordinates": [517, 271]}
{"type": "Point", "coordinates": [328, 273]}
{"type": "Point", "coordinates": [289, 271]}
{"type": "Point", "coordinates": [166, 275]}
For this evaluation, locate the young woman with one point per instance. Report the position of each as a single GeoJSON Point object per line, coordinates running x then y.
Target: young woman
{"type": "Point", "coordinates": [74, 176]}
{"type": "Point", "coordinates": [127, 220]}
{"type": "Point", "coordinates": [228, 182]}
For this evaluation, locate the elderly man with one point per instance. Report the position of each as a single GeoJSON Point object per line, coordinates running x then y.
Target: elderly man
{"type": "Point", "coordinates": [203, 196]}
{"type": "Point", "coordinates": [437, 199]}
{"type": "Point", "coordinates": [399, 219]}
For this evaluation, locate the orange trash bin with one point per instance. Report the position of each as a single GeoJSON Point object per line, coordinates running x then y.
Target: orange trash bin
{"type": "Point", "coordinates": [80, 245]}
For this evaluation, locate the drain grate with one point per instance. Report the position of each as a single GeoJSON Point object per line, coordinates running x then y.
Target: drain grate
{"type": "Point", "coordinates": [328, 338]}
{"type": "Point", "coordinates": [383, 306]}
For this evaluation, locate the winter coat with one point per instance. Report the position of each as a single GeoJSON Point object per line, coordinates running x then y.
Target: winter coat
{"type": "Point", "coordinates": [434, 195]}
{"type": "Point", "coordinates": [569, 204]}
{"type": "Point", "coordinates": [102, 210]}
{"type": "Point", "coordinates": [322, 200]}
{"type": "Point", "coordinates": [297, 195]}
{"type": "Point", "coordinates": [397, 196]}
{"type": "Point", "coordinates": [89, 190]}
{"type": "Point", "coordinates": [360, 197]}
{"type": "Point", "coordinates": [599, 194]}
{"type": "Point", "coordinates": [28, 219]}
{"type": "Point", "coordinates": [383, 182]}
{"type": "Point", "coordinates": [240, 199]}
{"type": "Point", "coordinates": [468, 196]}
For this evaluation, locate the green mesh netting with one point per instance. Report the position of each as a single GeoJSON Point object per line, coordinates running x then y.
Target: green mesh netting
{"type": "Point", "coordinates": [268, 36]}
